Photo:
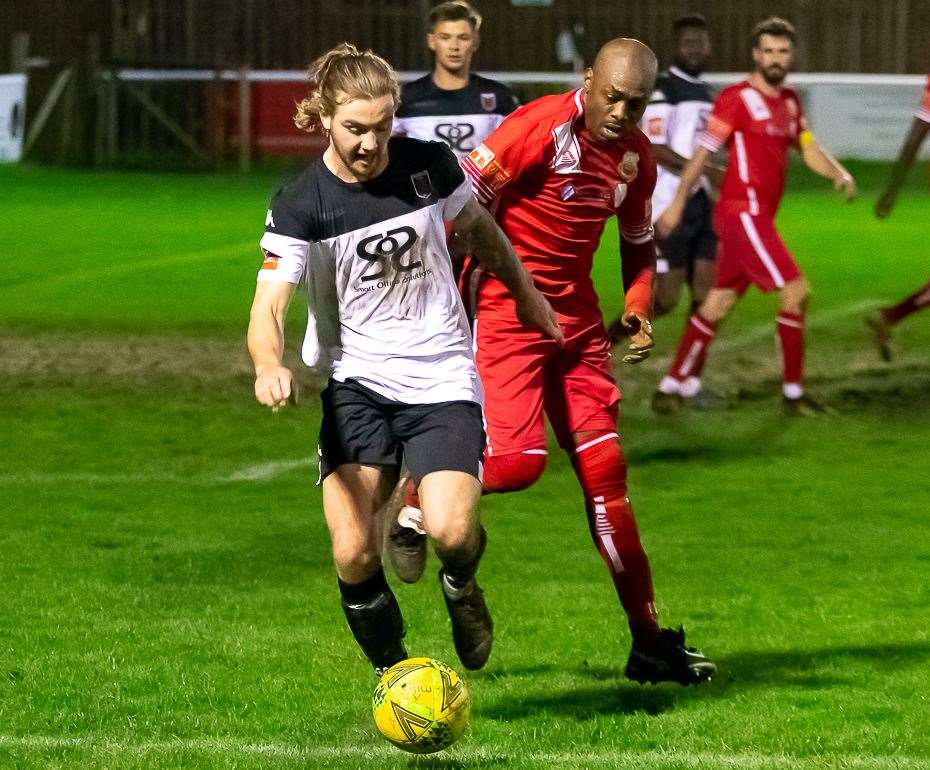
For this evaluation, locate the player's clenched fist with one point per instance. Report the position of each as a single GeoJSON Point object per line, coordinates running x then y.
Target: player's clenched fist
{"type": "Point", "coordinates": [274, 386]}
{"type": "Point", "coordinates": [640, 330]}
{"type": "Point", "coordinates": [845, 184]}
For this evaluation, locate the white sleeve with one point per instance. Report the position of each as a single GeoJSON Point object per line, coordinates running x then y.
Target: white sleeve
{"type": "Point", "coordinates": [656, 118]}
{"type": "Point", "coordinates": [285, 258]}
{"type": "Point", "coordinates": [456, 201]}
{"type": "Point", "coordinates": [399, 128]}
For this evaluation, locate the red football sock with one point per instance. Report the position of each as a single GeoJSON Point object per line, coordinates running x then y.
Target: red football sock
{"type": "Point", "coordinates": [917, 301]}
{"type": "Point", "coordinates": [692, 350]}
{"type": "Point", "coordinates": [791, 335]}
{"type": "Point", "coordinates": [601, 469]}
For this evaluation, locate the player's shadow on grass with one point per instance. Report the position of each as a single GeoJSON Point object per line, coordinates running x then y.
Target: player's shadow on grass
{"type": "Point", "coordinates": [815, 669]}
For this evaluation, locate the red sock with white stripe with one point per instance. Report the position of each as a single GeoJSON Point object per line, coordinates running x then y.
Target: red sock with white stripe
{"type": "Point", "coordinates": [601, 469]}
{"type": "Point", "coordinates": [917, 301]}
{"type": "Point", "coordinates": [791, 336]}
{"type": "Point", "coordinates": [692, 353]}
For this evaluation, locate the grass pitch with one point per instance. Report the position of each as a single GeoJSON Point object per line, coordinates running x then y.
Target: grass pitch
{"type": "Point", "coordinates": [169, 598]}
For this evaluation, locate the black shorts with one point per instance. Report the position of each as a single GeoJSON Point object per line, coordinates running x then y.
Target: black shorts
{"type": "Point", "coordinates": [694, 238]}
{"type": "Point", "coordinates": [361, 426]}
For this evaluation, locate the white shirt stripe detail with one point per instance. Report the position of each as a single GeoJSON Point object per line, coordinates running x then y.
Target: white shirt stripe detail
{"type": "Point", "coordinates": [594, 441]}
{"type": "Point", "coordinates": [742, 163]}
{"type": "Point", "coordinates": [750, 227]}
{"type": "Point", "coordinates": [579, 104]}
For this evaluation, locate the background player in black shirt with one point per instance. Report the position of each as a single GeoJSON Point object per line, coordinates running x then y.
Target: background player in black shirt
{"type": "Point", "coordinates": [452, 103]}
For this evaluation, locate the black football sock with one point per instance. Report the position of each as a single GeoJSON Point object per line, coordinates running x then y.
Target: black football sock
{"type": "Point", "coordinates": [374, 619]}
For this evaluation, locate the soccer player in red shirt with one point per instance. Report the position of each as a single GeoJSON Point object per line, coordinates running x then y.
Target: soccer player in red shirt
{"type": "Point", "coordinates": [883, 320]}
{"type": "Point", "coordinates": [553, 173]}
{"type": "Point", "coordinates": [758, 121]}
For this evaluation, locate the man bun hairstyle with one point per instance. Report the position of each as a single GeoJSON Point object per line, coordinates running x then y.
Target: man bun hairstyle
{"type": "Point", "coordinates": [340, 75]}
{"type": "Point", "coordinates": [455, 10]}
{"type": "Point", "coordinates": [775, 26]}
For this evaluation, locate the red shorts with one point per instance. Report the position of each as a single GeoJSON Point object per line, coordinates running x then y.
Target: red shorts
{"type": "Point", "coordinates": [750, 251]}
{"type": "Point", "coordinates": [525, 375]}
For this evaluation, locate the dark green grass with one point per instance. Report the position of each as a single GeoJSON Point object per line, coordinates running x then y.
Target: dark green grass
{"type": "Point", "coordinates": [156, 612]}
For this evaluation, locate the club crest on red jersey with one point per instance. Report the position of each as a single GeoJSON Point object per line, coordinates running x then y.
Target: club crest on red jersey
{"type": "Point", "coordinates": [481, 156]}
{"type": "Point", "coordinates": [488, 102]}
{"type": "Point", "coordinates": [629, 166]}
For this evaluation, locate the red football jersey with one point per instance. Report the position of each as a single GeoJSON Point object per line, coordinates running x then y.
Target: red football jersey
{"type": "Point", "coordinates": [758, 131]}
{"type": "Point", "coordinates": [924, 112]}
{"type": "Point", "coordinates": [552, 188]}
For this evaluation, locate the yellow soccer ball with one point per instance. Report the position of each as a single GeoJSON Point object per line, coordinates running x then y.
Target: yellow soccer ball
{"type": "Point", "coordinates": [421, 705]}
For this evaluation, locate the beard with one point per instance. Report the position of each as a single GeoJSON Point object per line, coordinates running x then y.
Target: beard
{"type": "Point", "coordinates": [774, 75]}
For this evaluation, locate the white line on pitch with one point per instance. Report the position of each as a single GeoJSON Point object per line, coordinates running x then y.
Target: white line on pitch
{"type": "Point", "coordinates": [227, 747]}
{"type": "Point", "coordinates": [260, 472]}
{"type": "Point", "coordinates": [765, 331]}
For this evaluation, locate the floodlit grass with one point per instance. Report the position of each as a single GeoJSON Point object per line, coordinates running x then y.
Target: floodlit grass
{"type": "Point", "coordinates": [168, 594]}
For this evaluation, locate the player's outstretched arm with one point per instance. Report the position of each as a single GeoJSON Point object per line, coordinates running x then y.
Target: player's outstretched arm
{"type": "Point", "coordinates": [490, 247]}
{"type": "Point", "coordinates": [672, 161]}
{"type": "Point", "coordinates": [902, 166]}
{"type": "Point", "coordinates": [690, 174]}
{"type": "Point", "coordinates": [274, 383]}
{"type": "Point", "coordinates": [822, 162]}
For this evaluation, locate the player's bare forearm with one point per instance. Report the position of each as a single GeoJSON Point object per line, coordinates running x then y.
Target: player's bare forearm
{"type": "Point", "coordinates": [273, 381]}
{"type": "Point", "coordinates": [491, 248]}
{"type": "Point", "coordinates": [902, 167]}
{"type": "Point", "coordinates": [823, 163]}
{"type": "Point", "coordinates": [672, 161]}
{"type": "Point", "coordinates": [690, 174]}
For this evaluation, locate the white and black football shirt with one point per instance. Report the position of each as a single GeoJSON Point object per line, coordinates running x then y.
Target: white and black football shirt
{"type": "Point", "coordinates": [461, 118]}
{"type": "Point", "coordinates": [384, 308]}
{"type": "Point", "coordinates": [676, 116]}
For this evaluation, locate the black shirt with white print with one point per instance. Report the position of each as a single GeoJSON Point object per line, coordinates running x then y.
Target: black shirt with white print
{"type": "Point", "coordinates": [462, 118]}
{"type": "Point", "coordinates": [384, 308]}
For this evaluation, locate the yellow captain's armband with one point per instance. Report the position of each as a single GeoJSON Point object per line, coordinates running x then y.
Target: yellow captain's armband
{"type": "Point", "coordinates": [805, 139]}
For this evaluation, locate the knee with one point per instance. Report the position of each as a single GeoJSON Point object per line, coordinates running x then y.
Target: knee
{"type": "Point", "coordinates": [454, 534]}
{"type": "Point", "coordinates": [795, 295]}
{"type": "Point", "coordinates": [513, 472]}
{"type": "Point", "coordinates": [355, 559]}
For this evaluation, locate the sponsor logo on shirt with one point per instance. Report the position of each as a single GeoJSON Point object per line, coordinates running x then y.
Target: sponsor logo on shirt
{"type": "Point", "coordinates": [269, 219]}
{"type": "Point", "coordinates": [655, 127]}
{"type": "Point", "coordinates": [629, 166]}
{"type": "Point", "coordinates": [568, 192]}
{"type": "Point", "coordinates": [455, 134]}
{"type": "Point", "coordinates": [382, 248]}
{"type": "Point", "coordinates": [488, 102]}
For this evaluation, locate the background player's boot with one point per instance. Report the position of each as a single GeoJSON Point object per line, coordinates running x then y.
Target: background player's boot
{"type": "Point", "coordinates": [805, 406]}
{"type": "Point", "coordinates": [472, 628]}
{"type": "Point", "coordinates": [666, 659]}
{"type": "Point", "coordinates": [666, 403]}
{"type": "Point", "coordinates": [404, 537]}
{"type": "Point", "coordinates": [882, 331]}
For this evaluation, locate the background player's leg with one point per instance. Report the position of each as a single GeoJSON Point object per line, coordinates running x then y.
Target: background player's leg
{"type": "Point", "coordinates": [790, 326]}
{"type": "Point", "coordinates": [702, 281]}
{"type": "Point", "coordinates": [351, 495]}
{"type": "Point", "coordinates": [667, 290]}
{"type": "Point", "coordinates": [884, 319]}
{"type": "Point", "coordinates": [683, 378]}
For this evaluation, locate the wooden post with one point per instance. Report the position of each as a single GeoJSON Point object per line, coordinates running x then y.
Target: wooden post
{"type": "Point", "coordinates": [245, 121]}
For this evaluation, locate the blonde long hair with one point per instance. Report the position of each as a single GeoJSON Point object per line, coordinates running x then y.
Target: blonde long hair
{"type": "Point", "coordinates": [340, 75]}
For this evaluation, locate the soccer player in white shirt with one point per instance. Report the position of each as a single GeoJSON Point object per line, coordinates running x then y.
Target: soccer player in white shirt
{"type": "Point", "coordinates": [363, 229]}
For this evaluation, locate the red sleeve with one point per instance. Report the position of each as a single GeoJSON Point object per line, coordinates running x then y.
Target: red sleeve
{"type": "Point", "coordinates": [515, 146]}
{"type": "Point", "coordinates": [637, 239]}
{"type": "Point", "coordinates": [924, 112]}
{"type": "Point", "coordinates": [723, 120]}
{"type": "Point", "coordinates": [800, 125]}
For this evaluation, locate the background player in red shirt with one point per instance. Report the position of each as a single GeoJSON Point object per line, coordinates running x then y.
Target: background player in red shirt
{"type": "Point", "coordinates": [758, 120]}
{"type": "Point", "coordinates": [553, 173]}
{"type": "Point", "coordinates": [884, 319]}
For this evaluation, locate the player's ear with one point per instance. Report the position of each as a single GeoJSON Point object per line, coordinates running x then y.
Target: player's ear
{"type": "Point", "coordinates": [431, 41]}
{"type": "Point", "coordinates": [326, 121]}
{"type": "Point", "coordinates": [476, 40]}
{"type": "Point", "coordinates": [588, 77]}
